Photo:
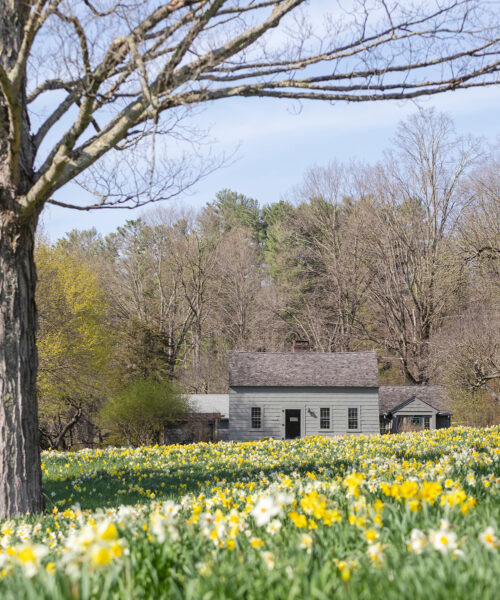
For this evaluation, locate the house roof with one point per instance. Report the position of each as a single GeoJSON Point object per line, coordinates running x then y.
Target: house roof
{"type": "Point", "coordinates": [303, 369]}
{"type": "Point", "coordinates": [210, 403]}
{"type": "Point", "coordinates": [391, 397]}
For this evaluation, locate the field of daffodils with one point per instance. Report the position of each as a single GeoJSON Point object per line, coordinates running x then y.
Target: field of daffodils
{"type": "Point", "coordinates": [415, 515]}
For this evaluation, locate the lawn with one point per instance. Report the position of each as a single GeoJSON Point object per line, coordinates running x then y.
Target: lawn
{"type": "Point", "coordinates": [415, 515]}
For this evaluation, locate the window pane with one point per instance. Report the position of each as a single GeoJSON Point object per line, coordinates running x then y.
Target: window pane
{"type": "Point", "coordinates": [256, 417]}
{"type": "Point", "coordinates": [427, 422]}
{"type": "Point", "coordinates": [324, 418]}
{"type": "Point", "coordinates": [352, 418]}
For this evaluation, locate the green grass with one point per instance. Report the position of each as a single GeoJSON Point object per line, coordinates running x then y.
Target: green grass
{"type": "Point", "coordinates": [108, 534]}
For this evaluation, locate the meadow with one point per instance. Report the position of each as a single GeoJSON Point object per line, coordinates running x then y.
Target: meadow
{"type": "Point", "coordinates": [414, 515]}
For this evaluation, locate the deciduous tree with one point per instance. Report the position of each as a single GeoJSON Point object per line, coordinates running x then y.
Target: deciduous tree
{"type": "Point", "coordinates": [73, 340]}
{"type": "Point", "coordinates": [113, 74]}
{"type": "Point", "coordinates": [325, 279]}
{"type": "Point", "coordinates": [411, 224]}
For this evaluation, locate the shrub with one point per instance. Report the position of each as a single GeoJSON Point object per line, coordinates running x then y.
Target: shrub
{"type": "Point", "coordinates": [139, 412]}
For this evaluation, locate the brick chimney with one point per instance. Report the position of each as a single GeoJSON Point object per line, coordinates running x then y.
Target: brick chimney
{"type": "Point", "coordinates": [301, 346]}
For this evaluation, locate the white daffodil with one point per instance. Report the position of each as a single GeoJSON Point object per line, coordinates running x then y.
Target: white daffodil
{"type": "Point", "coordinates": [443, 540]}
{"type": "Point", "coordinates": [274, 526]}
{"type": "Point", "coordinates": [207, 518]}
{"type": "Point", "coordinates": [284, 499]}
{"type": "Point", "coordinates": [417, 542]}
{"type": "Point", "coordinates": [471, 480]}
{"type": "Point", "coordinates": [29, 557]}
{"type": "Point", "coordinates": [268, 559]}
{"type": "Point", "coordinates": [266, 508]}
{"type": "Point", "coordinates": [489, 539]}
{"type": "Point", "coordinates": [375, 552]}
{"type": "Point", "coordinates": [170, 509]}
{"type": "Point", "coordinates": [24, 533]}
{"type": "Point", "coordinates": [84, 538]}
{"type": "Point", "coordinates": [306, 542]}
{"type": "Point", "coordinates": [158, 527]}
{"type": "Point", "coordinates": [5, 541]}
{"type": "Point", "coordinates": [444, 524]}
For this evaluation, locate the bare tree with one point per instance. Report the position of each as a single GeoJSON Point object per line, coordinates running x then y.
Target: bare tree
{"type": "Point", "coordinates": [467, 352]}
{"type": "Point", "coordinates": [415, 267]}
{"type": "Point", "coordinates": [480, 227]}
{"type": "Point", "coordinates": [239, 276]}
{"type": "Point", "coordinates": [118, 72]}
{"type": "Point", "coordinates": [196, 258]}
{"type": "Point", "coordinates": [467, 349]}
{"type": "Point", "coordinates": [326, 289]}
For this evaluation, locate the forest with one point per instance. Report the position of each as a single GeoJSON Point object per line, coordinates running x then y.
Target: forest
{"type": "Point", "coordinates": [402, 256]}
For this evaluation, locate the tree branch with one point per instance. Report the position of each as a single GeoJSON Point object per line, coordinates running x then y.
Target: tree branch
{"type": "Point", "coordinates": [49, 85]}
{"type": "Point", "coordinates": [158, 50]}
{"type": "Point", "coordinates": [14, 125]}
{"type": "Point", "coordinates": [54, 118]}
{"type": "Point", "coordinates": [491, 391]}
{"type": "Point", "coordinates": [35, 22]}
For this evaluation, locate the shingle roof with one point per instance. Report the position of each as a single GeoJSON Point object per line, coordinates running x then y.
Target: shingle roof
{"type": "Point", "coordinates": [303, 369]}
{"type": "Point", "coordinates": [391, 396]}
{"type": "Point", "coordinates": [210, 403]}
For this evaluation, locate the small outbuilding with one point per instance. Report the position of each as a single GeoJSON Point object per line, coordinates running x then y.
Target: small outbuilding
{"type": "Point", "coordinates": [215, 408]}
{"type": "Point", "coordinates": [207, 421]}
{"type": "Point", "coordinates": [407, 407]}
{"type": "Point", "coordinates": [285, 395]}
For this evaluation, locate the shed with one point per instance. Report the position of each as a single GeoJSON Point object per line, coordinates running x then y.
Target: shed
{"type": "Point", "coordinates": [413, 406]}
{"type": "Point", "coordinates": [216, 408]}
{"type": "Point", "coordinates": [284, 395]}
{"type": "Point", "coordinates": [207, 421]}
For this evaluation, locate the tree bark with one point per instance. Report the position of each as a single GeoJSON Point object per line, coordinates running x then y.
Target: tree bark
{"type": "Point", "coordinates": [20, 472]}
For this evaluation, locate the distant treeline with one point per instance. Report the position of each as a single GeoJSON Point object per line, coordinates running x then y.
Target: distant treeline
{"type": "Point", "coordinates": [402, 257]}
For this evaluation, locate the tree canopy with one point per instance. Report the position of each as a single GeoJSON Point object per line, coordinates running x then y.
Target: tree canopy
{"type": "Point", "coordinates": [73, 341]}
{"type": "Point", "coordinates": [354, 257]}
{"type": "Point", "coordinates": [89, 87]}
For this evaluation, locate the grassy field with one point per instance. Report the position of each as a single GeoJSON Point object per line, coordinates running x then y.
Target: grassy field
{"type": "Point", "coordinates": [415, 515]}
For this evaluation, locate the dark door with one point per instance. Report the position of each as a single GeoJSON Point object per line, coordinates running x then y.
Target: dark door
{"type": "Point", "coordinates": [442, 421]}
{"type": "Point", "coordinates": [292, 424]}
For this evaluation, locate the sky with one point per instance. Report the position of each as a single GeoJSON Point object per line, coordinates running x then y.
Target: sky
{"type": "Point", "coordinates": [274, 142]}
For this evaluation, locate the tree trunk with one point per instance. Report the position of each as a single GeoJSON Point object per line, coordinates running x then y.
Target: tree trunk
{"type": "Point", "coordinates": [68, 428]}
{"type": "Point", "coordinates": [20, 472]}
{"type": "Point", "coordinates": [492, 392]}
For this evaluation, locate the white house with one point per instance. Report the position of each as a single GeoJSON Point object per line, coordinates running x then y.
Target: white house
{"type": "Point", "coordinates": [284, 395]}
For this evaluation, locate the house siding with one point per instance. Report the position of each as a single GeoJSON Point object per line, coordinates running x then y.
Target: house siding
{"type": "Point", "coordinates": [275, 400]}
{"type": "Point", "coordinates": [417, 407]}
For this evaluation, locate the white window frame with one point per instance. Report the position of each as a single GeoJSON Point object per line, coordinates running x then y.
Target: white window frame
{"type": "Point", "coordinates": [408, 419]}
{"type": "Point", "coordinates": [261, 417]}
{"type": "Point", "coordinates": [329, 428]}
{"type": "Point", "coordinates": [358, 409]}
